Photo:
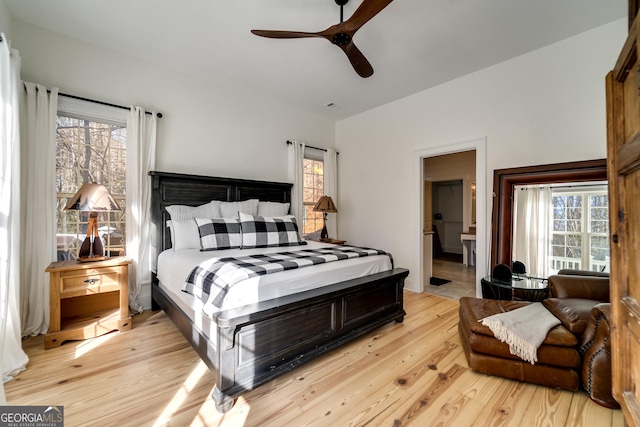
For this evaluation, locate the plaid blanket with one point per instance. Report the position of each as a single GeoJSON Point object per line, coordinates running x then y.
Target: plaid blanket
{"type": "Point", "coordinates": [212, 279]}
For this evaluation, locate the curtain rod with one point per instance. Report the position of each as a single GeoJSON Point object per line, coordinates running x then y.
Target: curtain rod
{"type": "Point", "coordinates": [101, 102]}
{"type": "Point", "coordinates": [310, 146]}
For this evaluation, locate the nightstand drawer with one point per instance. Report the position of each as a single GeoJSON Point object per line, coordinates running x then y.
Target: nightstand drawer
{"type": "Point", "coordinates": [89, 281]}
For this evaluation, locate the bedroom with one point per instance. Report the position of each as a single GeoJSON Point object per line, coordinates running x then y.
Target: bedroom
{"type": "Point", "coordinates": [532, 109]}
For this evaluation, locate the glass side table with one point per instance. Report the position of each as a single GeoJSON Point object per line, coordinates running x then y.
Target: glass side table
{"type": "Point", "coordinates": [519, 288]}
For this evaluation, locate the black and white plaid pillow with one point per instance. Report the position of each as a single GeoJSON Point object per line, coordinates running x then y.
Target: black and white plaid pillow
{"type": "Point", "coordinates": [264, 232]}
{"type": "Point", "coordinates": [219, 233]}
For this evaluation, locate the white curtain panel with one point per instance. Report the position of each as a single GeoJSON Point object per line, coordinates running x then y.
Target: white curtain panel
{"type": "Point", "coordinates": [12, 358]}
{"type": "Point", "coordinates": [38, 203]}
{"type": "Point", "coordinates": [296, 176]}
{"type": "Point", "coordinates": [532, 228]}
{"type": "Point", "coordinates": [141, 158]}
{"type": "Point", "coordinates": [331, 188]}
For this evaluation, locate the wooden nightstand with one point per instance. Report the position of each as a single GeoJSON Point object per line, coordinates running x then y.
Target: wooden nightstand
{"type": "Point", "coordinates": [333, 241]}
{"type": "Point", "coordinates": [87, 299]}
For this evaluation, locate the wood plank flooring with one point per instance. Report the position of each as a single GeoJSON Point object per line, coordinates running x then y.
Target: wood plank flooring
{"type": "Point", "coordinates": [408, 374]}
{"type": "Point", "coordinates": [462, 279]}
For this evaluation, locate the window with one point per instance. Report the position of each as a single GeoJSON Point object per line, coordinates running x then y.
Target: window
{"type": "Point", "coordinates": [505, 180]}
{"type": "Point", "coordinates": [313, 189]}
{"type": "Point", "coordinates": [90, 149]}
{"type": "Point", "coordinates": [580, 229]}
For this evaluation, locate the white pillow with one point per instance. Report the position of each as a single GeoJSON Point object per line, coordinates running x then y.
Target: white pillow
{"type": "Point", "coordinates": [182, 212]}
{"type": "Point", "coordinates": [231, 209]}
{"type": "Point", "coordinates": [272, 209]}
{"type": "Point", "coordinates": [185, 235]}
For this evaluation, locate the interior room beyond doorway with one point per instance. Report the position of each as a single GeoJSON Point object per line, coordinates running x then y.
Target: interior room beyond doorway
{"type": "Point", "coordinates": [448, 201]}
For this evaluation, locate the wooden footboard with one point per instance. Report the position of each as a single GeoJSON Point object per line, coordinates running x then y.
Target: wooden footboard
{"type": "Point", "coordinates": [259, 342]}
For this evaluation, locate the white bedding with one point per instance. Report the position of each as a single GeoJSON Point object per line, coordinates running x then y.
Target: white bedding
{"type": "Point", "coordinates": [175, 266]}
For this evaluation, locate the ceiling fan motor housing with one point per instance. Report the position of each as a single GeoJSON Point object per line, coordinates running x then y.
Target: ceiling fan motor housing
{"type": "Point", "coordinates": [341, 39]}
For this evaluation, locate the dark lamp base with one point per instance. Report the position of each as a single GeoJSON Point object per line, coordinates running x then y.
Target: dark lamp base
{"type": "Point", "coordinates": [324, 234]}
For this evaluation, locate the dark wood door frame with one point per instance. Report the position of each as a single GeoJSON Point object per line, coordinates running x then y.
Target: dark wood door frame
{"type": "Point", "coordinates": [504, 182]}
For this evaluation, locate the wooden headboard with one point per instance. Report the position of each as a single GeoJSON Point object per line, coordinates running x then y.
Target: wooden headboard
{"type": "Point", "coordinates": [194, 190]}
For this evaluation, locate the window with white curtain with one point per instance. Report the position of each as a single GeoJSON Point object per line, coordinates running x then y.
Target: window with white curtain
{"type": "Point", "coordinates": [580, 228]}
{"type": "Point", "coordinates": [90, 147]}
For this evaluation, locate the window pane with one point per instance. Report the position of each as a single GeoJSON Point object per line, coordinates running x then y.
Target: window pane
{"type": "Point", "coordinates": [579, 236]}
{"type": "Point", "coordinates": [600, 226]}
{"type": "Point", "coordinates": [574, 201]}
{"type": "Point", "coordinates": [558, 251]}
{"type": "Point", "coordinates": [574, 225]}
{"type": "Point", "coordinates": [89, 151]}
{"type": "Point", "coordinates": [313, 189]}
{"type": "Point", "coordinates": [599, 246]}
{"type": "Point", "coordinates": [559, 225]}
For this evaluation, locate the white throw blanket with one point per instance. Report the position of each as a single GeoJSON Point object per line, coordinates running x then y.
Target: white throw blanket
{"type": "Point", "coordinates": [524, 329]}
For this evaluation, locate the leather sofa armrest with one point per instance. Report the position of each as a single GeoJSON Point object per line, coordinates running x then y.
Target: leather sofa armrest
{"type": "Point", "coordinates": [595, 350]}
{"type": "Point", "coordinates": [599, 323]}
{"type": "Point", "coordinates": [585, 287]}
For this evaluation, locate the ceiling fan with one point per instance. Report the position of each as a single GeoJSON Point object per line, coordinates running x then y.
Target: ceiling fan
{"type": "Point", "coordinates": [340, 34]}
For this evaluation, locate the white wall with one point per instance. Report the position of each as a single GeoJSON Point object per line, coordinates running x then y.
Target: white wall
{"type": "Point", "coordinates": [547, 106]}
{"type": "Point", "coordinates": [205, 129]}
{"type": "Point", "coordinates": [5, 19]}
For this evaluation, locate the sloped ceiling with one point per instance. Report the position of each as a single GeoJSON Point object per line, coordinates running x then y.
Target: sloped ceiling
{"type": "Point", "coordinates": [412, 44]}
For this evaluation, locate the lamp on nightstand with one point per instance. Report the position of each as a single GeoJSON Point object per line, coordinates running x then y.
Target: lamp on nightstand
{"type": "Point", "coordinates": [92, 198]}
{"type": "Point", "coordinates": [324, 205]}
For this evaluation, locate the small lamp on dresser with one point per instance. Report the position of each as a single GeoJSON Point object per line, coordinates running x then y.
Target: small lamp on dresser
{"type": "Point", "coordinates": [325, 205]}
{"type": "Point", "coordinates": [93, 198]}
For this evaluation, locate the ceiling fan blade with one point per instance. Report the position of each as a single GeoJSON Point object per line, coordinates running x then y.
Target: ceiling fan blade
{"type": "Point", "coordinates": [276, 34]}
{"type": "Point", "coordinates": [357, 59]}
{"type": "Point", "coordinates": [367, 10]}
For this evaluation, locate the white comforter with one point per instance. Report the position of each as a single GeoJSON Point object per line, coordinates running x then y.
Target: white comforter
{"type": "Point", "coordinates": [175, 266]}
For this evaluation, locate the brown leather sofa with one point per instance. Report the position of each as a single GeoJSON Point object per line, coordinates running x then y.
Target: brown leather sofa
{"type": "Point", "coordinates": [581, 301]}
{"type": "Point", "coordinates": [575, 353]}
{"type": "Point", "coordinates": [558, 358]}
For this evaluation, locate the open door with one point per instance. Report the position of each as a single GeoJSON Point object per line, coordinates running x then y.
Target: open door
{"type": "Point", "coordinates": [623, 165]}
{"type": "Point", "coordinates": [427, 208]}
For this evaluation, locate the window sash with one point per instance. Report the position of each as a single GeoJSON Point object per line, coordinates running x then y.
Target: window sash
{"type": "Point", "coordinates": [111, 128]}
{"type": "Point", "coordinates": [580, 231]}
{"type": "Point", "coordinates": [313, 189]}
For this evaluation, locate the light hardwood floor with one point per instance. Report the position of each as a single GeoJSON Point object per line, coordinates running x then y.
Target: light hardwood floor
{"type": "Point", "coordinates": [404, 374]}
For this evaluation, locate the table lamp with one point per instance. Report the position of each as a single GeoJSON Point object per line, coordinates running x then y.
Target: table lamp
{"type": "Point", "coordinates": [324, 205]}
{"type": "Point", "coordinates": [94, 198]}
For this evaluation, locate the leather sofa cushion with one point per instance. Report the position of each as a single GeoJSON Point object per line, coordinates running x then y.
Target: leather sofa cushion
{"type": "Point", "coordinates": [552, 355]}
{"type": "Point", "coordinates": [574, 313]}
{"type": "Point", "coordinates": [550, 376]}
{"type": "Point", "coordinates": [474, 309]}
{"type": "Point", "coordinates": [587, 287]}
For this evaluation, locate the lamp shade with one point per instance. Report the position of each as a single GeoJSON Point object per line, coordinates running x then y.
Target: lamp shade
{"type": "Point", "coordinates": [325, 204]}
{"type": "Point", "coordinates": [92, 197]}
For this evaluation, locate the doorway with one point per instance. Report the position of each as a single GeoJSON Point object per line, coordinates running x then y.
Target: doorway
{"type": "Point", "coordinates": [448, 212]}
{"type": "Point", "coordinates": [423, 244]}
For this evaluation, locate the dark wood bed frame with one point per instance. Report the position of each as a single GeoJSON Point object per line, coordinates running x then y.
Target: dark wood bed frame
{"type": "Point", "coordinates": [259, 342]}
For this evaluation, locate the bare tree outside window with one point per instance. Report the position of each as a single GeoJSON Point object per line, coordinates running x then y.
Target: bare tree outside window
{"type": "Point", "coordinates": [313, 189]}
{"type": "Point", "coordinates": [580, 231]}
{"type": "Point", "coordinates": [90, 151]}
